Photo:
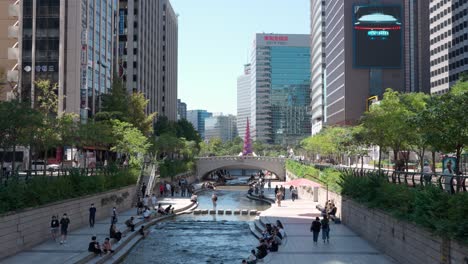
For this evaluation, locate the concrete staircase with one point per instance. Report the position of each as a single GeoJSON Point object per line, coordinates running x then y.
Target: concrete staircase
{"type": "Point", "coordinates": [225, 212]}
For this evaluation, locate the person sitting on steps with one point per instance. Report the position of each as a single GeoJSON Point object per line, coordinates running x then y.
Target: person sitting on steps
{"type": "Point", "coordinates": [94, 246]}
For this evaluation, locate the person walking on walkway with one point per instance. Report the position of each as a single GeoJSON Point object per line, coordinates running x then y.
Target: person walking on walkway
{"type": "Point", "coordinates": [64, 222]}
{"type": "Point", "coordinates": [92, 215]}
{"type": "Point", "coordinates": [161, 189]}
{"type": "Point", "coordinates": [214, 199]}
{"type": "Point", "coordinates": [269, 184]}
{"type": "Point", "coordinates": [154, 201]}
{"type": "Point", "coordinates": [143, 190]}
{"type": "Point", "coordinates": [315, 229]}
{"type": "Point", "coordinates": [114, 216]}
{"type": "Point", "coordinates": [279, 197]}
{"type": "Point", "coordinates": [54, 225]}
{"type": "Point", "coordinates": [172, 190]}
{"type": "Point", "coordinates": [325, 229]}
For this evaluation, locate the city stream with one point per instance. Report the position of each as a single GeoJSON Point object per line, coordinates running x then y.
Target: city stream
{"type": "Point", "coordinates": [194, 239]}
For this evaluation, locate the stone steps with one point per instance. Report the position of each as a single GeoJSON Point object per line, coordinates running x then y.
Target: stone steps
{"type": "Point", "coordinates": [225, 212]}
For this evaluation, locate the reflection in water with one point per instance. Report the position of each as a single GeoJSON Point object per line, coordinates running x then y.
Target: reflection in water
{"type": "Point", "coordinates": [202, 238]}
{"type": "Point", "coordinates": [195, 242]}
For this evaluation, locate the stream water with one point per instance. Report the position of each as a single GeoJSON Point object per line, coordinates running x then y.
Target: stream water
{"type": "Point", "coordinates": [195, 239]}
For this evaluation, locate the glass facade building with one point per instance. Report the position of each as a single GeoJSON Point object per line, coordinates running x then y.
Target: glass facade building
{"type": "Point", "coordinates": [280, 88]}
{"type": "Point", "coordinates": [197, 118]}
{"type": "Point", "coordinates": [220, 126]}
{"type": "Point", "coordinates": [70, 43]}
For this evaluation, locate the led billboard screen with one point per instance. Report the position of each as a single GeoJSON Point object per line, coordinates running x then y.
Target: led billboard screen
{"type": "Point", "coordinates": [377, 36]}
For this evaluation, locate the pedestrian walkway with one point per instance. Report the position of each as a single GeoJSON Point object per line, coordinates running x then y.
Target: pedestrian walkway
{"type": "Point", "coordinates": [52, 252]}
{"type": "Point", "coordinates": [344, 247]}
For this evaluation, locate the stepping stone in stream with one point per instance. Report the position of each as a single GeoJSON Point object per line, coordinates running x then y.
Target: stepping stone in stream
{"type": "Point", "coordinates": [236, 212]}
{"type": "Point", "coordinates": [253, 212]}
{"type": "Point", "coordinates": [212, 212]}
{"type": "Point", "coordinates": [197, 212]}
{"type": "Point", "coordinates": [228, 211]}
{"type": "Point", "coordinates": [244, 212]}
{"type": "Point", "coordinates": [204, 211]}
{"type": "Point", "coordinates": [221, 212]}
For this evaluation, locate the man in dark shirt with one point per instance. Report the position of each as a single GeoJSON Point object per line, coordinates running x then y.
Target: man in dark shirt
{"type": "Point", "coordinates": [143, 190]}
{"type": "Point", "coordinates": [94, 246]}
{"type": "Point", "coordinates": [92, 215]}
{"type": "Point", "coordinates": [315, 229]}
{"type": "Point", "coordinates": [64, 222]}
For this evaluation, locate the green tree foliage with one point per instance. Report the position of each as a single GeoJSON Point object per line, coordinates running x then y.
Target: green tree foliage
{"type": "Point", "coordinates": [136, 113]}
{"type": "Point", "coordinates": [387, 123]}
{"type": "Point", "coordinates": [116, 101]}
{"type": "Point", "coordinates": [185, 129]}
{"type": "Point", "coordinates": [119, 105]}
{"type": "Point", "coordinates": [450, 111]}
{"type": "Point", "coordinates": [129, 140]}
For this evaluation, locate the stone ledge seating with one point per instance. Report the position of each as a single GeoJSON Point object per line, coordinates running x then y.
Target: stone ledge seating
{"type": "Point", "coordinates": [127, 236]}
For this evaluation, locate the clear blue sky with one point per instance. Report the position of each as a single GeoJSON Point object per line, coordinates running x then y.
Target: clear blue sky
{"type": "Point", "coordinates": [215, 37]}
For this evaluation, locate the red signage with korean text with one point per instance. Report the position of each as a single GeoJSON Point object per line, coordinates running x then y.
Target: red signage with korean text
{"type": "Point", "coordinates": [275, 38]}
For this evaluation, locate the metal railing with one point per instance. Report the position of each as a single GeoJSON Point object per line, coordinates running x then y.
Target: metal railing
{"type": "Point", "coordinates": [59, 172]}
{"type": "Point", "coordinates": [235, 158]}
{"type": "Point", "coordinates": [448, 183]}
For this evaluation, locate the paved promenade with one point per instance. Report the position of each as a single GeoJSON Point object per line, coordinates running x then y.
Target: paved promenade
{"type": "Point", "coordinates": [344, 247]}
{"type": "Point", "coordinates": [52, 252]}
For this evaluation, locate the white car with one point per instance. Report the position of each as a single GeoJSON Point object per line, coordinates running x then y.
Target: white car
{"type": "Point", "coordinates": [39, 166]}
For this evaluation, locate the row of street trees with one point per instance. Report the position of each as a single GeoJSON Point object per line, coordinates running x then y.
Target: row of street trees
{"type": "Point", "coordinates": [123, 127]}
{"type": "Point", "coordinates": [402, 122]}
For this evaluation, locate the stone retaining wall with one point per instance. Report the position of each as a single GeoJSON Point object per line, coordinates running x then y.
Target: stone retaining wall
{"type": "Point", "coordinates": [29, 227]}
{"type": "Point", "coordinates": [401, 240]}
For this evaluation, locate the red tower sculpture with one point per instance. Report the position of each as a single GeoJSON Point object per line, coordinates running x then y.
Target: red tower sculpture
{"type": "Point", "coordinates": [247, 150]}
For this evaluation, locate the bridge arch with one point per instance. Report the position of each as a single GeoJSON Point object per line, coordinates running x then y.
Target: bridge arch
{"type": "Point", "coordinates": [208, 164]}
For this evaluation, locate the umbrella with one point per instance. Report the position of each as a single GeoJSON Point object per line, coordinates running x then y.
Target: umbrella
{"type": "Point", "coordinates": [303, 182]}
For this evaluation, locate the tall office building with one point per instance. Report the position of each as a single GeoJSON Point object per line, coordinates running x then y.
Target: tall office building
{"type": "Point", "coordinates": [243, 99]}
{"type": "Point", "coordinates": [280, 88]}
{"type": "Point", "coordinates": [221, 126]}
{"type": "Point", "coordinates": [148, 40]}
{"type": "Point", "coordinates": [317, 62]}
{"type": "Point", "coordinates": [70, 43]}
{"type": "Point", "coordinates": [386, 47]}
{"type": "Point", "coordinates": [448, 43]}
{"type": "Point", "coordinates": [417, 53]}
{"type": "Point", "coordinates": [356, 71]}
{"type": "Point", "coordinates": [181, 110]}
{"type": "Point", "coordinates": [9, 56]}
{"type": "Point", "coordinates": [197, 118]}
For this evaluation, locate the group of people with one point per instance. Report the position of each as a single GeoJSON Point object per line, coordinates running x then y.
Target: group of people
{"type": "Point", "coordinates": [280, 193]}
{"type": "Point", "coordinates": [330, 209]}
{"type": "Point", "coordinates": [61, 224]}
{"type": "Point", "coordinates": [321, 225]}
{"type": "Point", "coordinates": [182, 187]}
{"type": "Point", "coordinates": [272, 238]}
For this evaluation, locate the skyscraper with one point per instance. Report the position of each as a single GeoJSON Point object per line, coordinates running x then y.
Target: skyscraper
{"type": "Point", "coordinates": [280, 88]}
{"type": "Point", "coordinates": [9, 52]}
{"type": "Point", "coordinates": [181, 110]}
{"type": "Point", "coordinates": [385, 48]}
{"type": "Point", "coordinates": [70, 43]}
{"type": "Point", "coordinates": [148, 40]}
{"type": "Point", "coordinates": [221, 126]}
{"type": "Point", "coordinates": [243, 99]}
{"type": "Point", "coordinates": [197, 118]}
{"type": "Point", "coordinates": [448, 43]}
{"type": "Point", "coordinates": [317, 62]}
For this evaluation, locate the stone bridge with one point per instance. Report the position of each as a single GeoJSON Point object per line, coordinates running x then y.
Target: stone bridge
{"type": "Point", "coordinates": [208, 164]}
